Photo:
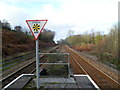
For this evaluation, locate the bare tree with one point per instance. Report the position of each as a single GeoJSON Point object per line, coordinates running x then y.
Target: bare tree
{"type": "Point", "coordinates": [70, 33]}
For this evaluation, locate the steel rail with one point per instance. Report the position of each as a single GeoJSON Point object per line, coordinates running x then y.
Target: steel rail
{"type": "Point", "coordinates": [72, 51]}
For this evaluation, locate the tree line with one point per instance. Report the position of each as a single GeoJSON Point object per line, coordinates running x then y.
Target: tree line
{"type": "Point", "coordinates": [101, 42]}
{"type": "Point", "coordinates": [105, 46]}
{"type": "Point", "coordinates": [46, 36]}
{"type": "Point", "coordinates": [17, 40]}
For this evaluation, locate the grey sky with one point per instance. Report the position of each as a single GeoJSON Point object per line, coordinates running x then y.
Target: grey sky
{"type": "Point", "coordinates": [63, 15]}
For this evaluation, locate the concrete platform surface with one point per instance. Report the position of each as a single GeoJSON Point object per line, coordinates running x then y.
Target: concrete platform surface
{"type": "Point", "coordinates": [57, 80]}
{"type": "Point", "coordinates": [75, 82]}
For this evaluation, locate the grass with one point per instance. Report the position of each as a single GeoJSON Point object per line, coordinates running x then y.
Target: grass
{"type": "Point", "coordinates": [18, 58]}
{"type": "Point", "coordinates": [108, 59]}
{"type": "Point", "coordinates": [8, 67]}
{"type": "Point", "coordinates": [14, 64]}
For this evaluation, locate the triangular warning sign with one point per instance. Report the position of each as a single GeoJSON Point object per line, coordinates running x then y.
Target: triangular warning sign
{"type": "Point", "coordinates": [36, 27]}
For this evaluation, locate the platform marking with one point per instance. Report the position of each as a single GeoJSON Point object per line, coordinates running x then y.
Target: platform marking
{"type": "Point", "coordinates": [16, 80]}
{"type": "Point", "coordinates": [95, 85]}
{"type": "Point", "coordinates": [95, 67]}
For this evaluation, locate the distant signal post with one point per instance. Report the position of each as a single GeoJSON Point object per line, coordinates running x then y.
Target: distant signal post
{"type": "Point", "coordinates": [36, 27]}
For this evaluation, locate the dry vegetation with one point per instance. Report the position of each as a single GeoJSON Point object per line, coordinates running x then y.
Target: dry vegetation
{"type": "Point", "coordinates": [104, 46]}
{"type": "Point", "coordinates": [16, 41]}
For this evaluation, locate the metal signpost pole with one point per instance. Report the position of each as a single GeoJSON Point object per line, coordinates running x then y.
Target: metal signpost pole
{"type": "Point", "coordinates": [36, 27]}
{"type": "Point", "coordinates": [37, 65]}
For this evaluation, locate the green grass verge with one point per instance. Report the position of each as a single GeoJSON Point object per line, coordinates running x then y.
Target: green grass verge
{"type": "Point", "coordinates": [17, 60]}
{"type": "Point", "coordinates": [108, 59]}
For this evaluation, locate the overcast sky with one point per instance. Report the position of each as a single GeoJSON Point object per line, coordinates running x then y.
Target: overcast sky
{"type": "Point", "coordinates": [63, 15]}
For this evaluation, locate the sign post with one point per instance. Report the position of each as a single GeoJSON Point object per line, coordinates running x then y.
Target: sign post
{"type": "Point", "coordinates": [37, 64]}
{"type": "Point", "coordinates": [36, 27]}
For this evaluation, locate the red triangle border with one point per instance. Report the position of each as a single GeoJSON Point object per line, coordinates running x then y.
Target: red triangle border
{"type": "Point", "coordinates": [31, 29]}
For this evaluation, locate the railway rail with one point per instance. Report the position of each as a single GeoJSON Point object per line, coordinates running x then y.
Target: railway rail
{"type": "Point", "coordinates": [82, 66]}
{"type": "Point", "coordinates": [29, 68]}
{"type": "Point", "coordinates": [79, 65]}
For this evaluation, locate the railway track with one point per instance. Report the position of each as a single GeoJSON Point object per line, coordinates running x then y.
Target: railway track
{"type": "Point", "coordinates": [29, 68]}
{"type": "Point", "coordinates": [82, 66]}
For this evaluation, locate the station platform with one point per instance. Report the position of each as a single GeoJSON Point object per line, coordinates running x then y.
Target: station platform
{"type": "Point", "coordinates": [74, 82]}
{"type": "Point", "coordinates": [19, 82]}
